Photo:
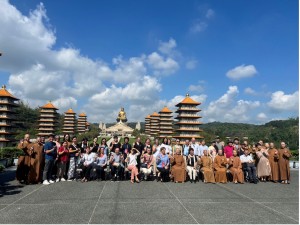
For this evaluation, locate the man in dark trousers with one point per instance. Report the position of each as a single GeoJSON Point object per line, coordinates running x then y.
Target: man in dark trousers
{"type": "Point", "coordinates": [139, 146]}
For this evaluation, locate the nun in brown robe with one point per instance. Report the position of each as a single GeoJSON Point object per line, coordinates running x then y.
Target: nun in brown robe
{"type": "Point", "coordinates": [206, 163]}
{"type": "Point", "coordinates": [263, 165]}
{"type": "Point", "coordinates": [220, 168]}
{"type": "Point", "coordinates": [24, 160]}
{"type": "Point", "coordinates": [274, 162]}
{"type": "Point", "coordinates": [284, 164]}
{"type": "Point", "coordinates": [178, 167]}
{"type": "Point", "coordinates": [36, 162]}
{"type": "Point", "coordinates": [235, 167]}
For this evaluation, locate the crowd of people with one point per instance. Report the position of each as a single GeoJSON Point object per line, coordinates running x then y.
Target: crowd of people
{"type": "Point", "coordinates": [58, 160]}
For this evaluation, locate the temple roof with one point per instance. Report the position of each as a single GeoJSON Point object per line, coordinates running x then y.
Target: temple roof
{"type": "Point", "coordinates": [119, 127]}
{"type": "Point", "coordinates": [70, 111]}
{"type": "Point", "coordinates": [148, 117]}
{"type": "Point", "coordinates": [82, 114]}
{"type": "Point", "coordinates": [49, 105]}
{"type": "Point", "coordinates": [155, 114]}
{"type": "Point", "coordinates": [165, 110]}
{"type": "Point", "coordinates": [188, 100]}
{"type": "Point", "coordinates": [5, 93]}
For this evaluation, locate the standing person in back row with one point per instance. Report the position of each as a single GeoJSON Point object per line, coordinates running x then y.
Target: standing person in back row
{"type": "Point", "coordinates": [74, 152]}
{"type": "Point", "coordinates": [126, 147]}
{"type": "Point", "coordinates": [50, 151]}
{"type": "Point", "coordinates": [24, 159]}
{"type": "Point", "coordinates": [114, 144]}
{"type": "Point", "coordinates": [195, 146]}
{"type": "Point", "coordinates": [140, 147]}
{"type": "Point", "coordinates": [202, 147]}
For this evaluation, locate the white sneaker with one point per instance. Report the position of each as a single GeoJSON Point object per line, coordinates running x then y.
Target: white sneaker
{"type": "Point", "coordinates": [62, 179]}
{"type": "Point", "coordinates": [51, 181]}
{"type": "Point", "coordinates": [69, 180]}
{"type": "Point", "coordinates": [46, 182]}
{"type": "Point", "coordinates": [57, 180]}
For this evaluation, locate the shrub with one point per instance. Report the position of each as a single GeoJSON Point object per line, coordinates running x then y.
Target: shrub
{"type": "Point", "coordinates": [10, 152]}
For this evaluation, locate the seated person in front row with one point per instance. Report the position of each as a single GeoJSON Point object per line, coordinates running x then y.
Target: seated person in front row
{"type": "Point", "coordinates": [206, 163]}
{"type": "Point", "coordinates": [248, 164]}
{"type": "Point", "coordinates": [235, 167]}
{"type": "Point", "coordinates": [163, 162]}
{"type": "Point", "coordinates": [146, 162]}
{"type": "Point", "coordinates": [178, 166]}
{"type": "Point", "coordinates": [100, 164]}
{"type": "Point", "coordinates": [191, 165]}
{"type": "Point", "coordinates": [116, 164]}
{"type": "Point", "coordinates": [220, 167]}
{"type": "Point", "coordinates": [87, 161]}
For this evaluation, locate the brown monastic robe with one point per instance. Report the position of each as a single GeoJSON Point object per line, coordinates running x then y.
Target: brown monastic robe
{"type": "Point", "coordinates": [178, 168]}
{"type": "Point", "coordinates": [24, 161]}
{"type": "Point", "coordinates": [220, 169]}
{"type": "Point", "coordinates": [235, 167]}
{"type": "Point", "coordinates": [274, 163]}
{"type": "Point", "coordinates": [36, 163]}
{"type": "Point", "coordinates": [206, 163]}
{"type": "Point", "coordinates": [284, 165]}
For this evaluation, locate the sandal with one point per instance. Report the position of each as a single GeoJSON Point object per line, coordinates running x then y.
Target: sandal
{"type": "Point", "coordinates": [132, 181]}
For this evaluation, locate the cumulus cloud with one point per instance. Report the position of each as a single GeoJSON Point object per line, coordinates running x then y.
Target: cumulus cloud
{"type": "Point", "coordinates": [191, 64]}
{"type": "Point", "coordinates": [249, 91]}
{"type": "Point", "coordinates": [199, 87]}
{"type": "Point", "coordinates": [39, 73]}
{"type": "Point", "coordinates": [241, 71]}
{"type": "Point", "coordinates": [228, 109]}
{"type": "Point", "coordinates": [281, 102]}
{"type": "Point", "coordinates": [261, 117]}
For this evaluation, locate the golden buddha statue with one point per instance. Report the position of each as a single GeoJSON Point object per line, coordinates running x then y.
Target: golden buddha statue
{"type": "Point", "coordinates": [122, 116]}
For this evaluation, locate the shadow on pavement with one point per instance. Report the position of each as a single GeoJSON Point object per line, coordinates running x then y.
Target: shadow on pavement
{"type": "Point", "coordinates": [7, 187]}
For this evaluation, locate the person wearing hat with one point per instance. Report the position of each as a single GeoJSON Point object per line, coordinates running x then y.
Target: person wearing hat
{"type": "Point", "coordinates": [50, 151]}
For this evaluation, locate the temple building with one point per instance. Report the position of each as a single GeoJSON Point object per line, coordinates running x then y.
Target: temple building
{"type": "Point", "coordinates": [147, 124]}
{"type": "Point", "coordinates": [154, 124]}
{"type": "Point", "coordinates": [187, 123]}
{"type": "Point", "coordinates": [165, 123]}
{"type": "Point", "coordinates": [8, 106]}
{"type": "Point", "coordinates": [70, 122]}
{"type": "Point", "coordinates": [82, 123]}
{"type": "Point", "coordinates": [48, 120]}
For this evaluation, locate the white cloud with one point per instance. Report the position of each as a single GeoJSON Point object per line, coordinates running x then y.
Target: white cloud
{"type": "Point", "coordinates": [241, 71]}
{"type": "Point", "coordinates": [161, 65]}
{"type": "Point", "coordinates": [228, 109]}
{"type": "Point", "coordinates": [64, 103]}
{"type": "Point", "coordinates": [262, 117]}
{"type": "Point", "coordinates": [199, 87]}
{"type": "Point", "coordinates": [167, 48]}
{"type": "Point", "coordinates": [198, 26]}
{"type": "Point", "coordinates": [249, 91]}
{"type": "Point", "coordinates": [210, 14]}
{"type": "Point", "coordinates": [281, 102]}
{"type": "Point", "coordinates": [191, 64]}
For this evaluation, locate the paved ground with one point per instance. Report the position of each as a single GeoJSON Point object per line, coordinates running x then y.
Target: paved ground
{"type": "Point", "coordinates": [148, 202]}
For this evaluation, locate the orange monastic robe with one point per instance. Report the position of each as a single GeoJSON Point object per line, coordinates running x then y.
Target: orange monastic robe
{"type": "Point", "coordinates": [235, 167]}
{"type": "Point", "coordinates": [284, 164]}
{"type": "Point", "coordinates": [24, 161]}
{"type": "Point", "coordinates": [207, 169]}
{"type": "Point", "coordinates": [274, 163]}
{"type": "Point", "coordinates": [220, 169]}
{"type": "Point", "coordinates": [36, 163]}
{"type": "Point", "coordinates": [178, 168]}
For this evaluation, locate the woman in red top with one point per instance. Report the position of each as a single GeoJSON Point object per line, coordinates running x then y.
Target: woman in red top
{"type": "Point", "coordinates": [62, 161]}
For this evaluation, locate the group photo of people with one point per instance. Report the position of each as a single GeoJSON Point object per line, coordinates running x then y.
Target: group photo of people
{"type": "Point", "coordinates": [56, 159]}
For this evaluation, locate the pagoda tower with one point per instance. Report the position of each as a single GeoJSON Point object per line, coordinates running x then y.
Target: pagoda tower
{"type": "Point", "coordinates": [48, 120]}
{"type": "Point", "coordinates": [7, 117]}
{"type": "Point", "coordinates": [188, 125]}
{"type": "Point", "coordinates": [69, 122]}
{"type": "Point", "coordinates": [165, 123]}
{"type": "Point", "coordinates": [81, 123]}
{"type": "Point", "coordinates": [147, 124]}
{"type": "Point", "coordinates": [154, 124]}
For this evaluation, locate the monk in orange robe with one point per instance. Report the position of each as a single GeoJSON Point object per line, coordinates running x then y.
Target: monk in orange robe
{"type": "Point", "coordinates": [24, 160]}
{"type": "Point", "coordinates": [284, 165]}
{"type": "Point", "coordinates": [235, 167]}
{"type": "Point", "coordinates": [36, 162]}
{"type": "Point", "coordinates": [274, 162]}
{"type": "Point", "coordinates": [206, 163]}
{"type": "Point", "coordinates": [178, 167]}
{"type": "Point", "coordinates": [220, 168]}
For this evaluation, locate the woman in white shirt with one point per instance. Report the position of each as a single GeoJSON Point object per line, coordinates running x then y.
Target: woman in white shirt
{"type": "Point", "coordinates": [132, 164]}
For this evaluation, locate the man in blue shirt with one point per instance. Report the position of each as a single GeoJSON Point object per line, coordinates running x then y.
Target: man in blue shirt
{"type": "Point", "coordinates": [50, 151]}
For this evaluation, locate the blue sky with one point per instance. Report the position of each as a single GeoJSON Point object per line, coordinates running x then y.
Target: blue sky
{"type": "Point", "coordinates": [239, 58]}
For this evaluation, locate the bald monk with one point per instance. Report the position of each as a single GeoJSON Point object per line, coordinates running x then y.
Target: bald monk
{"type": "Point", "coordinates": [235, 167]}
{"type": "Point", "coordinates": [274, 163]}
{"type": "Point", "coordinates": [178, 167]}
{"type": "Point", "coordinates": [284, 165]}
{"type": "Point", "coordinates": [36, 162]}
{"type": "Point", "coordinates": [24, 159]}
{"type": "Point", "coordinates": [206, 163]}
{"type": "Point", "coordinates": [220, 168]}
